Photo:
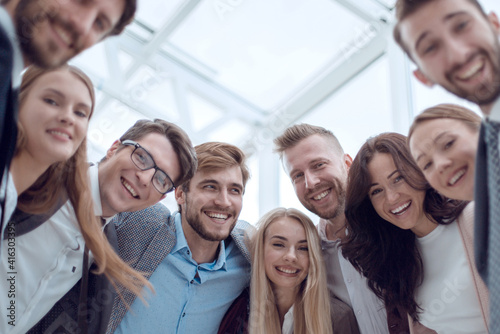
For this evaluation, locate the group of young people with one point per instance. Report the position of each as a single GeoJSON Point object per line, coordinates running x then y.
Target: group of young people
{"type": "Point", "coordinates": [407, 233]}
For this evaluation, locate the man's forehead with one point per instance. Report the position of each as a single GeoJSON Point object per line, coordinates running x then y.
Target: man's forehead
{"type": "Point", "coordinates": [230, 174]}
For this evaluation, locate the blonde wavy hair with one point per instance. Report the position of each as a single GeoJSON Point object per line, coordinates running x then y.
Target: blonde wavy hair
{"type": "Point", "coordinates": [312, 307]}
{"type": "Point", "coordinates": [69, 179]}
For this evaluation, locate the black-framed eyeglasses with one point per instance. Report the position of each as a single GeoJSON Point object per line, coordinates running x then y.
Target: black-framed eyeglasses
{"type": "Point", "coordinates": [143, 160]}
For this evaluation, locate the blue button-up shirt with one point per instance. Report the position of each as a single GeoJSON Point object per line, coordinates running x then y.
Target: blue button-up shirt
{"type": "Point", "coordinates": [190, 297]}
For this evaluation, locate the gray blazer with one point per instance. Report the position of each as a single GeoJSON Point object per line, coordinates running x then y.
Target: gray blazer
{"type": "Point", "coordinates": [145, 238]}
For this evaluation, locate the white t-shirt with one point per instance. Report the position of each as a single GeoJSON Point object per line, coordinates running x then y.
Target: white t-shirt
{"type": "Point", "coordinates": [448, 295]}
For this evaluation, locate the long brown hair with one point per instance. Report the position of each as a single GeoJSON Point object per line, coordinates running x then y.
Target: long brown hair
{"type": "Point", "coordinates": [385, 254]}
{"type": "Point", "coordinates": [69, 179]}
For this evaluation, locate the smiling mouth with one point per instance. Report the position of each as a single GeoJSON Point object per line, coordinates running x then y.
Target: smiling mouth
{"type": "Point", "coordinates": [456, 177]}
{"type": "Point", "coordinates": [287, 271]}
{"type": "Point", "coordinates": [472, 70]}
{"type": "Point", "coordinates": [58, 133]}
{"type": "Point", "coordinates": [129, 188]}
{"type": "Point", "coordinates": [401, 209]}
{"type": "Point", "coordinates": [217, 215]}
{"type": "Point", "coordinates": [322, 195]}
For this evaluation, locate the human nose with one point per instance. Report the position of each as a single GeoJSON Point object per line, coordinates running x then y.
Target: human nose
{"type": "Point", "coordinates": [392, 195]}
{"type": "Point", "coordinates": [311, 179]}
{"type": "Point", "coordinates": [442, 163]}
{"type": "Point", "coordinates": [145, 176]}
{"type": "Point", "coordinates": [290, 255]}
{"type": "Point", "coordinates": [456, 52]}
{"type": "Point", "coordinates": [222, 199]}
{"type": "Point", "coordinates": [67, 116]}
{"type": "Point", "coordinates": [81, 19]}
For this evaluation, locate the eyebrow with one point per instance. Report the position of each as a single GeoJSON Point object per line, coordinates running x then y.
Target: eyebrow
{"type": "Point", "coordinates": [60, 94]}
{"type": "Point", "coordinates": [446, 18]}
{"type": "Point", "coordinates": [285, 239]}
{"type": "Point", "coordinates": [438, 137]}
{"type": "Point", "coordinates": [212, 181]}
{"type": "Point", "coordinates": [388, 177]}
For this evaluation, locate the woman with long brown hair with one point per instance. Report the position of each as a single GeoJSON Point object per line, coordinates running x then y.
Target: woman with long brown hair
{"type": "Point", "coordinates": [412, 243]}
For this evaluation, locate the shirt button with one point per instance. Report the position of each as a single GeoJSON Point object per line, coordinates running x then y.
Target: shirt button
{"type": "Point", "coordinates": [192, 281]}
{"type": "Point", "coordinates": [183, 314]}
{"type": "Point", "coordinates": [349, 280]}
{"type": "Point", "coordinates": [359, 312]}
{"type": "Point", "coordinates": [199, 268]}
{"type": "Point", "coordinates": [188, 252]}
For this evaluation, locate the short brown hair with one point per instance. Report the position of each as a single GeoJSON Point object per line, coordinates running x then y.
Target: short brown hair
{"type": "Point", "coordinates": [177, 137]}
{"type": "Point", "coordinates": [126, 18]}
{"type": "Point", "coordinates": [405, 8]}
{"type": "Point", "coordinates": [448, 111]}
{"type": "Point", "coordinates": [296, 133]}
{"type": "Point", "coordinates": [217, 155]}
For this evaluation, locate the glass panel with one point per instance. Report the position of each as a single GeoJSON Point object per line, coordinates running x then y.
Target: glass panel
{"type": "Point", "coordinates": [265, 50]}
{"type": "Point", "coordinates": [232, 131]}
{"type": "Point", "coordinates": [111, 123]}
{"type": "Point", "coordinates": [154, 13]}
{"type": "Point", "coordinates": [202, 111]}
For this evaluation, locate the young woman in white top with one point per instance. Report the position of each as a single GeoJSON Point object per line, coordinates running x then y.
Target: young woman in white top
{"type": "Point", "coordinates": [50, 162]}
{"type": "Point", "coordinates": [288, 292]}
{"type": "Point", "coordinates": [443, 142]}
{"type": "Point", "coordinates": [413, 245]}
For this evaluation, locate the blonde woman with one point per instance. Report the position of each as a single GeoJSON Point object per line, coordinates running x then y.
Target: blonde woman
{"type": "Point", "coordinates": [288, 288]}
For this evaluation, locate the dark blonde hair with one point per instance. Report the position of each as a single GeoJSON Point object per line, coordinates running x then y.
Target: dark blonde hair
{"type": "Point", "coordinates": [447, 111]}
{"type": "Point", "coordinates": [217, 155]}
{"type": "Point", "coordinates": [296, 133]}
{"type": "Point", "coordinates": [70, 179]}
{"type": "Point", "coordinates": [312, 307]}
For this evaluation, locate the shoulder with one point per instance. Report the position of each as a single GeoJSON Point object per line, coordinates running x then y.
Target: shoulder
{"type": "Point", "coordinates": [241, 234]}
{"type": "Point", "coordinates": [156, 214]}
{"type": "Point", "coordinates": [343, 318]}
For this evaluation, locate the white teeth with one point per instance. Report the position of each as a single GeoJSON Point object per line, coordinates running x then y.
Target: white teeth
{"type": "Point", "coordinates": [456, 177]}
{"type": "Point", "coordinates": [63, 34]}
{"type": "Point", "coordinates": [287, 271]}
{"type": "Point", "coordinates": [59, 133]}
{"type": "Point", "coordinates": [322, 195]}
{"type": "Point", "coordinates": [400, 210]}
{"type": "Point", "coordinates": [472, 70]}
{"type": "Point", "coordinates": [217, 215]}
{"type": "Point", "coordinates": [129, 188]}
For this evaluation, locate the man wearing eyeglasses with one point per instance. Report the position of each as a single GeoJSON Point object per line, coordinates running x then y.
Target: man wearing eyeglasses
{"type": "Point", "coordinates": [139, 169]}
{"type": "Point", "coordinates": [196, 259]}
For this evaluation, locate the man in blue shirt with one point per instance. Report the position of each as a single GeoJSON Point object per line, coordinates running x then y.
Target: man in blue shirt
{"type": "Point", "coordinates": [196, 259]}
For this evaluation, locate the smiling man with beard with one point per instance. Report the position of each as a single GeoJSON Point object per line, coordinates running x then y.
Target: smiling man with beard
{"type": "Point", "coordinates": [318, 167]}
{"type": "Point", "coordinates": [47, 33]}
{"type": "Point", "coordinates": [455, 44]}
{"type": "Point", "coordinates": [196, 259]}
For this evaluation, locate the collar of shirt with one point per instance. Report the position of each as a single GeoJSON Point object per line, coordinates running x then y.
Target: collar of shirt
{"type": "Point", "coordinates": [18, 63]}
{"type": "Point", "coordinates": [495, 111]}
{"type": "Point", "coordinates": [96, 194]}
{"type": "Point", "coordinates": [325, 243]}
{"type": "Point", "coordinates": [182, 247]}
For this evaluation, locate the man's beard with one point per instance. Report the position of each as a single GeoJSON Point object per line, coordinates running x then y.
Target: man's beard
{"type": "Point", "coordinates": [29, 16]}
{"type": "Point", "coordinates": [487, 92]}
{"type": "Point", "coordinates": [194, 220]}
{"type": "Point", "coordinates": [334, 211]}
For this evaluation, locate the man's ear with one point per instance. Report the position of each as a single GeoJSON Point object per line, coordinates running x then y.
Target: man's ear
{"type": "Point", "coordinates": [493, 19]}
{"type": "Point", "coordinates": [112, 150]}
{"type": "Point", "coordinates": [180, 197]}
{"type": "Point", "coordinates": [347, 161]}
{"type": "Point", "coordinates": [422, 78]}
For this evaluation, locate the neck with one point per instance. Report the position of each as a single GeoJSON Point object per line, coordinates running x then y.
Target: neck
{"type": "Point", "coordinates": [424, 227]}
{"type": "Point", "coordinates": [202, 251]}
{"type": "Point", "coordinates": [25, 171]}
{"type": "Point", "coordinates": [285, 298]}
{"type": "Point", "coordinates": [486, 108]}
{"type": "Point", "coordinates": [335, 227]}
